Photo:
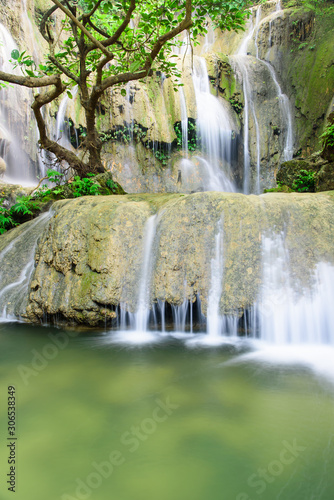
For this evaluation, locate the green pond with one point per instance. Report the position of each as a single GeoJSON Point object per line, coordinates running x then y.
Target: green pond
{"type": "Point", "coordinates": [163, 421]}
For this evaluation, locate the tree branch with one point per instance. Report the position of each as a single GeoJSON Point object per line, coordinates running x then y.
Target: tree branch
{"type": "Point", "coordinates": [122, 78]}
{"type": "Point", "coordinates": [126, 77]}
{"type": "Point", "coordinates": [30, 81]}
{"type": "Point", "coordinates": [63, 69]}
{"type": "Point", "coordinates": [92, 12]}
{"type": "Point", "coordinates": [42, 27]}
{"type": "Point", "coordinates": [46, 143]}
{"type": "Point", "coordinates": [113, 39]}
{"type": "Point", "coordinates": [185, 24]}
{"type": "Point", "coordinates": [69, 14]}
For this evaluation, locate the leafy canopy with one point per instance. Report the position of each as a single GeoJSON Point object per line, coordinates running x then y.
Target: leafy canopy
{"type": "Point", "coordinates": [150, 21]}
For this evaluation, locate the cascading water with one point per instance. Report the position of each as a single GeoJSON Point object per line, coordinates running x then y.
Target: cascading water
{"type": "Point", "coordinates": [241, 63]}
{"type": "Point", "coordinates": [289, 317]}
{"type": "Point", "coordinates": [217, 263]}
{"type": "Point", "coordinates": [286, 115]}
{"type": "Point", "coordinates": [15, 278]}
{"type": "Point", "coordinates": [62, 134]}
{"type": "Point", "coordinates": [214, 130]}
{"type": "Point", "coordinates": [13, 125]}
{"type": "Point", "coordinates": [143, 309]}
{"type": "Point", "coordinates": [184, 122]}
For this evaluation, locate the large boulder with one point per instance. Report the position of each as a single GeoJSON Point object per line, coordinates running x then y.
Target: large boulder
{"type": "Point", "coordinates": [90, 253]}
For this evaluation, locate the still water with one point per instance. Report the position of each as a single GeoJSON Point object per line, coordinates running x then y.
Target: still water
{"type": "Point", "coordinates": [165, 421]}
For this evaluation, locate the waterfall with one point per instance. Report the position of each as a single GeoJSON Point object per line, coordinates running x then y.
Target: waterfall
{"type": "Point", "coordinates": [240, 61]}
{"type": "Point", "coordinates": [13, 124]}
{"type": "Point", "coordinates": [17, 264]}
{"type": "Point", "coordinates": [143, 309]}
{"type": "Point", "coordinates": [214, 323]}
{"type": "Point", "coordinates": [286, 115]}
{"type": "Point", "coordinates": [184, 122]}
{"type": "Point", "coordinates": [214, 129]}
{"type": "Point", "coordinates": [287, 316]}
{"type": "Point", "coordinates": [62, 134]}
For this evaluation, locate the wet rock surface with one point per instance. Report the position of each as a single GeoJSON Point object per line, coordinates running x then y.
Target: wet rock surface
{"type": "Point", "coordinates": [89, 255]}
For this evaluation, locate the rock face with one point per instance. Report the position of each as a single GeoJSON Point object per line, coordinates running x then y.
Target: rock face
{"type": "Point", "coordinates": [296, 41]}
{"type": "Point", "coordinates": [322, 168]}
{"type": "Point", "coordinates": [90, 253]}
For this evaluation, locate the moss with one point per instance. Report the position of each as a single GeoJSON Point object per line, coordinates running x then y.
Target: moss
{"type": "Point", "coordinates": [311, 70]}
{"type": "Point", "coordinates": [280, 189]}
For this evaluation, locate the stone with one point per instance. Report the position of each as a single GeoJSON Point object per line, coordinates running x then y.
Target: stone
{"type": "Point", "coordinates": [88, 252]}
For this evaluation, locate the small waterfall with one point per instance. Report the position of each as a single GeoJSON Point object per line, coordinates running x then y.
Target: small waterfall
{"type": "Point", "coordinates": [286, 115]}
{"type": "Point", "coordinates": [28, 29]}
{"type": "Point", "coordinates": [214, 129]}
{"type": "Point", "coordinates": [240, 61]}
{"type": "Point", "coordinates": [62, 134]}
{"type": "Point", "coordinates": [184, 122]}
{"type": "Point", "coordinates": [285, 315]}
{"type": "Point", "coordinates": [214, 319]}
{"type": "Point", "coordinates": [129, 109]}
{"type": "Point", "coordinates": [142, 314]}
{"type": "Point", "coordinates": [17, 265]}
{"type": "Point", "coordinates": [13, 125]}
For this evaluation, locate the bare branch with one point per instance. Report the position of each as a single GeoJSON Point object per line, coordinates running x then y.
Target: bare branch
{"type": "Point", "coordinates": [122, 78]}
{"type": "Point", "coordinates": [30, 81]}
{"type": "Point", "coordinates": [98, 30]}
{"type": "Point", "coordinates": [42, 26]}
{"type": "Point", "coordinates": [46, 143]}
{"type": "Point", "coordinates": [63, 69]}
{"type": "Point", "coordinates": [40, 182]}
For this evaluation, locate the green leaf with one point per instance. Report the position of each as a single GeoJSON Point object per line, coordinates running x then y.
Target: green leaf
{"type": "Point", "coordinates": [134, 66]}
{"type": "Point", "coordinates": [69, 94]}
{"type": "Point", "coordinates": [123, 92]}
{"type": "Point", "coordinates": [15, 54]}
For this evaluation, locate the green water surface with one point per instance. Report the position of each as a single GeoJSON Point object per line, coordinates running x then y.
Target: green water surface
{"type": "Point", "coordinates": [160, 422]}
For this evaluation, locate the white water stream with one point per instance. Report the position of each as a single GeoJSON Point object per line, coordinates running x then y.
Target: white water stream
{"type": "Point", "coordinates": [241, 63]}
{"type": "Point", "coordinates": [13, 124]}
{"type": "Point", "coordinates": [214, 130]}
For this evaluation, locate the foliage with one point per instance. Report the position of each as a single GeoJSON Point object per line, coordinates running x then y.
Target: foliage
{"type": "Point", "coordinates": [25, 205]}
{"type": "Point", "coordinates": [281, 188]}
{"type": "Point", "coordinates": [162, 155]}
{"type": "Point", "coordinates": [327, 138]}
{"type": "Point", "coordinates": [24, 209]}
{"type": "Point", "coordinates": [192, 135]}
{"type": "Point", "coordinates": [24, 61]}
{"type": "Point", "coordinates": [236, 104]}
{"type": "Point", "coordinates": [112, 186]}
{"type": "Point", "coordinates": [85, 186]}
{"type": "Point", "coordinates": [28, 207]}
{"type": "Point", "coordinates": [6, 218]}
{"type": "Point", "coordinates": [304, 181]}
{"type": "Point", "coordinates": [55, 177]}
